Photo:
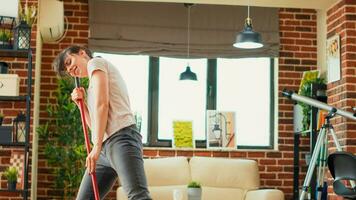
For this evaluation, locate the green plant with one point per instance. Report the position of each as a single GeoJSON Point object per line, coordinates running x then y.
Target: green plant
{"type": "Point", "coordinates": [5, 35]}
{"type": "Point", "coordinates": [194, 184]}
{"type": "Point", "coordinates": [11, 174]}
{"type": "Point", "coordinates": [28, 13]}
{"type": "Point", "coordinates": [1, 118]}
{"type": "Point", "coordinates": [305, 90]}
{"type": "Point", "coordinates": [64, 141]}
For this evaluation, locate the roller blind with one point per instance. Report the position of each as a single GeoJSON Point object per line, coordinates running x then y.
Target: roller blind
{"type": "Point", "coordinates": [160, 29]}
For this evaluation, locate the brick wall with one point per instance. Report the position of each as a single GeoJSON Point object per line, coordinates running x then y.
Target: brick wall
{"type": "Point", "coordinates": [78, 31]}
{"type": "Point", "coordinates": [297, 54]}
{"type": "Point", "coordinates": [341, 20]}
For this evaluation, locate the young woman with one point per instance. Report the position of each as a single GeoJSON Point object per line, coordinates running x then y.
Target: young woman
{"type": "Point", "coordinates": [117, 149]}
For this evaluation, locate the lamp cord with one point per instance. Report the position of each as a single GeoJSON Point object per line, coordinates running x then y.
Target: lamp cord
{"type": "Point", "coordinates": [188, 34]}
{"type": "Point", "coordinates": [248, 9]}
{"type": "Point", "coordinates": [248, 20]}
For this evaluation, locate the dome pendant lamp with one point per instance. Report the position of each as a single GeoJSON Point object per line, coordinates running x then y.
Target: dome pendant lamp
{"type": "Point", "coordinates": [188, 74]}
{"type": "Point", "coordinates": [247, 38]}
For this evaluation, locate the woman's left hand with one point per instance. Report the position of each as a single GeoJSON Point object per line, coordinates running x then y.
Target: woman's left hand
{"type": "Point", "coordinates": [92, 158]}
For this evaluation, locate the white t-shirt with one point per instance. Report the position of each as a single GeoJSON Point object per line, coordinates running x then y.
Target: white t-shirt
{"type": "Point", "coordinates": [120, 114]}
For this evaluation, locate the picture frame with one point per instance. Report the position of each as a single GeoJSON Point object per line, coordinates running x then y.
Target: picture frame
{"type": "Point", "coordinates": [183, 134]}
{"type": "Point", "coordinates": [333, 58]}
{"type": "Point", "coordinates": [220, 129]}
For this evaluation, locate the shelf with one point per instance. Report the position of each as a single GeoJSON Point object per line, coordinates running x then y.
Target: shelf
{"type": "Point", "coordinates": [13, 98]}
{"type": "Point", "coordinates": [6, 143]}
{"type": "Point", "coordinates": [13, 144]}
{"type": "Point", "coordinates": [14, 53]}
{"type": "Point", "coordinates": [12, 191]}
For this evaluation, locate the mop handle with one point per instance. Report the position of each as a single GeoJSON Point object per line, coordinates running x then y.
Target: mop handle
{"type": "Point", "coordinates": [87, 143]}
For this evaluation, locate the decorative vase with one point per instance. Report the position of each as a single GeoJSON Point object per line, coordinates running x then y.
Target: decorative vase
{"type": "Point", "coordinates": [194, 193]}
{"type": "Point", "coordinates": [11, 185]}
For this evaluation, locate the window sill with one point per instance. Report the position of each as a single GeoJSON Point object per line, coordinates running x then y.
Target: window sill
{"type": "Point", "coordinates": [209, 149]}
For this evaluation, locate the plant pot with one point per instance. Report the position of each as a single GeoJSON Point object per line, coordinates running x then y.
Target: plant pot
{"type": "Point", "coordinates": [11, 185]}
{"type": "Point", "coordinates": [5, 45]}
{"type": "Point", "coordinates": [3, 68]}
{"type": "Point", "coordinates": [5, 134]}
{"type": "Point", "coordinates": [194, 193]}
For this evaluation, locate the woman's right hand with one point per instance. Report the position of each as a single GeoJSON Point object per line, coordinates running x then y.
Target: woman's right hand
{"type": "Point", "coordinates": [78, 94]}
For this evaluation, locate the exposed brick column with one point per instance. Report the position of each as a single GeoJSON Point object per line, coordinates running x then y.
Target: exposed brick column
{"type": "Point", "coordinates": [341, 20]}
{"type": "Point", "coordinates": [298, 53]}
{"type": "Point", "coordinates": [78, 31]}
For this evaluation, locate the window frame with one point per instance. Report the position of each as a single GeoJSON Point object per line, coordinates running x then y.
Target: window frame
{"type": "Point", "coordinates": [153, 87]}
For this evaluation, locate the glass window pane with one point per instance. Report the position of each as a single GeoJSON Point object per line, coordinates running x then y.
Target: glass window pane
{"type": "Point", "coordinates": [134, 70]}
{"type": "Point", "coordinates": [181, 100]}
{"type": "Point", "coordinates": [243, 86]}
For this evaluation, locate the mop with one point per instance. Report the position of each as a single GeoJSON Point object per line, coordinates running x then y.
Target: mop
{"type": "Point", "coordinates": [87, 143]}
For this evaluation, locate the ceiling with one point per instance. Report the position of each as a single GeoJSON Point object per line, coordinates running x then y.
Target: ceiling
{"type": "Point", "coordinates": [313, 4]}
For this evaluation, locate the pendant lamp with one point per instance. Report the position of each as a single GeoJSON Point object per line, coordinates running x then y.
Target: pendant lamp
{"type": "Point", "coordinates": [188, 74]}
{"type": "Point", "coordinates": [247, 38]}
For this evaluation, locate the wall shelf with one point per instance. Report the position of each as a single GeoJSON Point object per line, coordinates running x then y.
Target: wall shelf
{"type": "Point", "coordinates": [13, 144]}
{"type": "Point", "coordinates": [13, 53]}
{"type": "Point", "coordinates": [27, 99]}
{"type": "Point", "coordinates": [312, 134]}
{"type": "Point", "coordinates": [13, 191]}
{"type": "Point", "coordinates": [13, 98]}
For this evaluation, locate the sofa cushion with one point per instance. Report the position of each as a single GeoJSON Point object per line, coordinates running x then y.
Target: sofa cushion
{"type": "Point", "coordinates": [158, 192]}
{"type": "Point", "coordinates": [167, 171]}
{"type": "Point", "coordinates": [225, 172]}
{"type": "Point", "coordinates": [265, 194]}
{"type": "Point", "coordinates": [217, 193]}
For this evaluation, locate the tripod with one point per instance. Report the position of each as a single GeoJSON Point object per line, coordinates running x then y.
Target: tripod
{"type": "Point", "coordinates": [321, 139]}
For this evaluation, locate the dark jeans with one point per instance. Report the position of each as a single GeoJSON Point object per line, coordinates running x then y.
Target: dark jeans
{"type": "Point", "coordinates": [121, 155]}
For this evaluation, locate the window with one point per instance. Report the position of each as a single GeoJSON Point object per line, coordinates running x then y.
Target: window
{"type": "Point", "coordinates": [243, 86]}
{"type": "Point", "coordinates": [134, 70]}
{"type": "Point", "coordinates": [181, 100]}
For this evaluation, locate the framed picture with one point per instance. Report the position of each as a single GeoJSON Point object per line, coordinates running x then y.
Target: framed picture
{"type": "Point", "coordinates": [333, 58]}
{"type": "Point", "coordinates": [307, 77]}
{"type": "Point", "coordinates": [220, 129]}
{"type": "Point", "coordinates": [183, 134]}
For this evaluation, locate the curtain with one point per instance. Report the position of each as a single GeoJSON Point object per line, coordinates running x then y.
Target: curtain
{"type": "Point", "coordinates": [160, 29]}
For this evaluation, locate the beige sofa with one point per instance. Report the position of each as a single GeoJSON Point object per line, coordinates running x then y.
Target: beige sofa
{"type": "Point", "coordinates": [221, 179]}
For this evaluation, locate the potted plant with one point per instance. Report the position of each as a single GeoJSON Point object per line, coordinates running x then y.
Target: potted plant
{"type": "Point", "coordinates": [5, 37]}
{"type": "Point", "coordinates": [11, 175]}
{"type": "Point", "coordinates": [1, 118]}
{"type": "Point", "coordinates": [63, 138]}
{"type": "Point", "coordinates": [194, 191]}
{"type": "Point", "coordinates": [27, 14]}
{"type": "Point", "coordinates": [305, 89]}
{"type": "Point", "coordinates": [3, 68]}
